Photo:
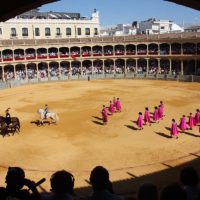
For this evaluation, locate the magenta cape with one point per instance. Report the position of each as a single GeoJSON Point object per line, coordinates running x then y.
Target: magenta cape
{"type": "Point", "coordinates": [140, 121]}
{"type": "Point", "coordinates": [105, 115]}
{"type": "Point", "coordinates": [111, 108]}
{"type": "Point", "coordinates": [174, 129]}
{"type": "Point", "coordinates": [147, 116]}
{"type": "Point", "coordinates": [197, 118]}
{"type": "Point", "coordinates": [191, 122]}
{"type": "Point", "coordinates": [183, 124]}
{"type": "Point", "coordinates": [155, 115]}
{"type": "Point", "coordinates": [118, 105]}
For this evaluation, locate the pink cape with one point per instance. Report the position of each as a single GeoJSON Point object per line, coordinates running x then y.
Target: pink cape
{"type": "Point", "coordinates": [155, 115]}
{"type": "Point", "coordinates": [140, 122]}
{"type": "Point", "coordinates": [174, 129]}
{"type": "Point", "coordinates": [160, 111]}
{"type": "Point", "coordinates": [115, 103]}
{"type": "Point", "coordinates": [197, 118]}
{"type": "Point", "coordinates": [183, 124]}
{"type": "Point", "coordinates": [191, 122]}
{"type": "Point", "coordinates": [111, 108]}
{"type": "Point", "coordinates": [147, 117]}
{"type": "Point", "coordinates": [118, 105]}
{"type": "Point", "coordinates": [105, 115]}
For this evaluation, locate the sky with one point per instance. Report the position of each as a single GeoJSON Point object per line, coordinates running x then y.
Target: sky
{"type": "Point", "coordinates": [114, 12]}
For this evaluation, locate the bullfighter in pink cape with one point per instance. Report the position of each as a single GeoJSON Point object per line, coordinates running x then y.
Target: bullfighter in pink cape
{"type": "Point", "coordinates": [174, 129]}
{"type": "Point", "coordinates": [114, 102]}
{"type": "Point", "coordinates": [118, 105]}
{"type": "Point", "coordinates": [155, 114]}
{"type": "Point", "coordinates": [111, 108]}
{"type": "Point", "coordinates": [191, 121]}
{"type": "Point", "coordinates": [161, 110]}
{"type": "Point", "coordinates": [104, 115]}
{"type": "Point", "coordinates": [147, 116]}
{"type": "Point", "coordinates": [140, 121]}
{"type": "Point", "coordinates": [197, 117]}
{"type": "Point", "coordinates": [183, 123]}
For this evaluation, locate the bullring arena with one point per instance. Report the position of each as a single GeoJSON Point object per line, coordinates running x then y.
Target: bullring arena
{"type": "Point", "coordinates": [79, 141]}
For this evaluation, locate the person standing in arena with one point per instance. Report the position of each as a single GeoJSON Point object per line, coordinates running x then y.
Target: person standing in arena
{"type": "Point", "coordinates": [104, 115]}
{"type": "Point", "coordinates": [174, 129]}
{"type": "Point", "coordinates": [197, 117]}
{"type": "Point", "coordinates": [114, 102]}
{"type": "Point", "coordinates": [155, 114]}
{"type": "Point", "coordinates": [191, 121]}
{"type": "Point", "coordinates": [147, 116]}
{"type": "Point", "coordinates": [140, 121]}
{"type": "Point", "coordinates": [118, 105]}
{"type": "Point", "coordinates": [161, 110]}
{"type": "Point", "coordinates": [183, 123]}
{"type": "Point", "coordinates": [111, 108]}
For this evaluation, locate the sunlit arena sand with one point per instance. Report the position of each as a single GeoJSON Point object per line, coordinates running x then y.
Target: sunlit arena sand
{"type": "Point", "coordinates": [79, 142]}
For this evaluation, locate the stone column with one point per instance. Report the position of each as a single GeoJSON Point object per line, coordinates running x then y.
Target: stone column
{"type": "Point", "coordinates": [170, 66]}
{"type": "Point", "coordinates": [81, 68]}
{"type": "Point", "coordinates": [114, 66]}
{"type": "Point", "coordinates": [125, 67]}
{"type": "Point", "coordinates": [182, 65]}
{"type": "Point", "coordinates": [158, 65]}
{"type": "Point", "coordinates": [3, 74]}
{"type": "Point", "coordinates": [26, 70]}
{"type": "Point", "coordinates": [136, 65]}
{"type": "Point", "coordinates": [103, 67]}
{"type": "Point", "coordinates": [59, 70]}
{"type": "Point", "coordinates": [14, 66]}
{"type": "Point", "coordinates": [147, 72]}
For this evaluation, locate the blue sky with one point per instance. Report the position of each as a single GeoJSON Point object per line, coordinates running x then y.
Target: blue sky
{"type": "Point", "coordinates": [125, 11]}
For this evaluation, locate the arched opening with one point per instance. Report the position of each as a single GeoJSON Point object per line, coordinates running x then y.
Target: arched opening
{"type": "Point", "coordinates": [164, 49]}
{"type": "Point", "coordinates": [76, 68]}
{"type": "Point", "coordinates": [130, 49]}
{"type": "Point", "coordinates": [54, 69]}
{"type": "Point", "coordinates": [98, 67]}
{"type": "Point", "coordinates": [142, 49]}
{"type": "Point", "coordinates": [64, 52]}
{"type": "Point", "coordinates": [42, 70]}
{"type": "Point", "coordinates": [120, 66]}
{"type": "Point", "coordinates": [42, 53]}
{"type": "Point", "coordinates": [9, 72]}
{"type": "Point", "coordinates": [198, 48]}
{"type": "Point", "coordinates": [32, 71]}
{"type": "Point", "coordinates": [153, 66]}
{"type": "Point", "coordinates": [189, 48]}
{"type": "Point", "coordinates": [86, 51]}
{"type": "Point", "coordinates": [87, 67]}
{"type": "Point", "coordinates": [30, 54]}
{"type": "Point", "coordinates": [119, 50]}
{"type": "Point", "coordinates": [131, 65]}
{"type": "Point", "coordinates": [64, 68]}
{"type": "Point", "coordinates": [53, 52]}
{"type": "Point", "coordinates": [164, 66]}
{"type": "Point", "coordinates": [97, 50]}
{"type": "Point", "coordinates": [188, 67]}
{"type": "Point", "coordinates": [142, 66]}
{"type": "Point", "coordinates": [109, 67]}
{"type": "Point", "coordinates": [153, 49]}
{"type": "Point", "coordinates": [176, 67]}
{"type": "Point", "coordinates": [108, 50]}
{"type": "Point", "coordinates": [7, 55]}
{"type": "Point", "coordinates": [75, 52]}
{"type": "Point", "coordinates": [176, 48]}
{"type": "Point", "coordinates": [19, 54]}
{"type": "Point", "coordinates": [20, 72]}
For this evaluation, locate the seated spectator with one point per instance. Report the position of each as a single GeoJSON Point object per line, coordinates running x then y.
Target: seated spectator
{"type": "Point", "coordinates": [62, 186]}
{"type": "Point", "coordinates": [15, 181]}
{"type": "Point", "coordinates": [189, 178]}
{"type": "Point", "coordinates": [173, 192]}
{"type": "Point", "coordinates": [102, 187]}
{"type": "Point", "coordinates": [147, 191]}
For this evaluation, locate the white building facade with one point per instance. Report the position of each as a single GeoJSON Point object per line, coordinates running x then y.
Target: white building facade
{"type": "Point", "coordinates": [155, 26]}
{"type": "Point", "coordinates": [51, 25]}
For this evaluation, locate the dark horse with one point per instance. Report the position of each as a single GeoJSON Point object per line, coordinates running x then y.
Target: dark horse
{"type": "Point", "coordinates": [13, 127]}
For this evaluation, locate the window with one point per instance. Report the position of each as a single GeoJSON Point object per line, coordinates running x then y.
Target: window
{"type": "Point", "coordinates": [96, 31]}
{"type": "Point", "coordinates": [24, 32]}
{"type": "Point", "coordinates": [79, 31]}
{"type": "Point", "coordinates": [37, 32]}
{"type": "Point", "coordinates": [68, 31]}
{"type": "Point", "coordinates": [13, 32]}
{"type": "Point", "coordinates": [0, 31]}
{"type": "Point", "coordinates": [47, 32]}
{"type": "Point", "coordinates": [162, 27]}
{"type": "Point", "coordinates": [58, 31]}
{"type": "Point", "coordinates": [87, 31]}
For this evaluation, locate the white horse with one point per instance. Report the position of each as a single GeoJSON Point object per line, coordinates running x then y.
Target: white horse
{"type": "Point", "coordinates": [53, 116]}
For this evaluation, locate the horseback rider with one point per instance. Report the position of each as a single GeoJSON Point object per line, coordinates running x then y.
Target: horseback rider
{"type": "Point", "coordinates": [7, 117]}
{"type": "Point", "coordinates": [46, 110]}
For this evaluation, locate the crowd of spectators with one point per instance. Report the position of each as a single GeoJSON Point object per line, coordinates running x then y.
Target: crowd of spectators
{"type": "Point", "coordinates": [18, 187]}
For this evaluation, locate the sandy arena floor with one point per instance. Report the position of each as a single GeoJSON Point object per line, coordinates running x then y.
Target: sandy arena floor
{"type": "Point", "coordinates": [79, 142]}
